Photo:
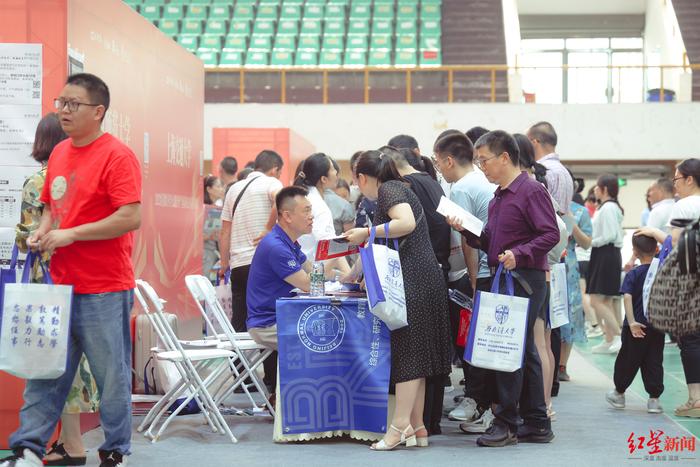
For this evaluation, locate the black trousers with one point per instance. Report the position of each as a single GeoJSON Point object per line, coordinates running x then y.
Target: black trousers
{"type": "Point", "coordinates": [645, 353]}
{"type": "Point", "coordinates": [524, 386]}
{"type": "Point", "coordinates": [555, 344]}
{"type": "Point", "coordinates": [690, 356]}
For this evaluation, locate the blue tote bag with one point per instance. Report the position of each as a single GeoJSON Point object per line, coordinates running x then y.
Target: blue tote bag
{"type": "Point", "coordinates": [8, 276]}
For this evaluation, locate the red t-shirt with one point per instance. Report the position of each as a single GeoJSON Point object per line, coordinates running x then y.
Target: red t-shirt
{"type": "Point", "coordinates": [87, 184]}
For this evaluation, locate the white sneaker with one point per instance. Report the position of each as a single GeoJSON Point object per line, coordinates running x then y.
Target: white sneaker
{"type": "Point", "coordinates": [616, 344]}
{"type": "Point", "coordinates": [594, 332]}
{"type": "Point", "coordinates": [27, 459]}
{"type": "Point", "coordinates": [479, 425]}
{"type": "Point", "coordinates": [615, 399]}
{"type": "Point", "coordinates": [465, 411]}
{"type": "Point", "coordinates": [603, 348]}
{"type": "Point", "coordinates": [654, 406]}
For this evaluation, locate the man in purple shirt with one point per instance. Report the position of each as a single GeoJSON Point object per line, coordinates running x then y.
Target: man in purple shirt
{"type": "Point", "coordinates": [559, 182]}
{"type": "Point", "coordinates": [520, 231]}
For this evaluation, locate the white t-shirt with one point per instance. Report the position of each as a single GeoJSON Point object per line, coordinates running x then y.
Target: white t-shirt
{"type": "Point", "coordinates": [251, 216]}
{"type": "Point", "coordinates": [323, 224]}
{"type": "Point", "coordinates": [607, 226]}
{"type": "Point", "coordinates": [686, 208]}
{"type": "Point", "coordinates": [660, 214]}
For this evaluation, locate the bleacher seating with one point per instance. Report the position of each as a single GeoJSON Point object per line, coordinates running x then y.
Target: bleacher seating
{"type": "Point", "coordinates": [305, 33]}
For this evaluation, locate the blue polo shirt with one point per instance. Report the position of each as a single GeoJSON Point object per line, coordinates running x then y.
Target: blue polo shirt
{"type": "Point", "coordinates": [276, 258]}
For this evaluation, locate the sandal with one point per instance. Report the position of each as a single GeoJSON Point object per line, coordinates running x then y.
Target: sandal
{"type": "Point", "coordinates": [421, 441]}
{"type": "Point", "coordinates": [409, 441]}
{"type": "Point", "coordinates": [66, 459]}
{"type": "Point", "coordinates": [689, 409]}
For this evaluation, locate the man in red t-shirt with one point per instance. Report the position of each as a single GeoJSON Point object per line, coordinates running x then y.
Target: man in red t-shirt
{"type": "Point", "coordinates": [92, 204]}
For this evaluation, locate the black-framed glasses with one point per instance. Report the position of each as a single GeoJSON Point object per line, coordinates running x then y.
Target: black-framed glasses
{"type": "Point", "coordinates": [73, 106]}
{"type": "Point", "coordinates": [678, 178]}
{"type": "Point", "coordinates": [480, 162]}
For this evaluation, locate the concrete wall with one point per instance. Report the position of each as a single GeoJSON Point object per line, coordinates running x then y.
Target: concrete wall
{"type": "Point", "coordinates": [663, 45]}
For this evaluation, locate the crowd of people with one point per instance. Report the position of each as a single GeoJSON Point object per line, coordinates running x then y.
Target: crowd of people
{"type": "Point", "coordinates": [265, 236]}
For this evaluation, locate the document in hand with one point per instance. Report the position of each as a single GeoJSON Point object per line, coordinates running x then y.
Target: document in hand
{"type": "Point", "coordinates": [334, 248]}
{"type": "Point", "coordinates": [469, 221]}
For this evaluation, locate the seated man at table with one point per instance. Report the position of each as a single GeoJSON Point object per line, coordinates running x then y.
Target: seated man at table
{"type": "Point", "coordinates": [278, 264]}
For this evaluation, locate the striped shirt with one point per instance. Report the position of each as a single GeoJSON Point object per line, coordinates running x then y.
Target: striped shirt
{"type": "Point", "coordinates": [251, 216]}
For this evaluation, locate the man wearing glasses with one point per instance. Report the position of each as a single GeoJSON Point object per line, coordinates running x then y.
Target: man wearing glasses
{"type": "Point", "coordinates": [92, 199]}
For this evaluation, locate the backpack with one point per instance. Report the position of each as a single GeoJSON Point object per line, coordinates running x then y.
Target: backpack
{"type": "Point", "coordinates": [674, 301]}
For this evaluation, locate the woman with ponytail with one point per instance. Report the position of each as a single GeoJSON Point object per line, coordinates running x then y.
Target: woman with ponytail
{"type": "Point", "coordinates": [422, 349]}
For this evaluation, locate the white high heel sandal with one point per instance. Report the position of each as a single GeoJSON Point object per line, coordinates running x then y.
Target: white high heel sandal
{"type": "Point", "coordinates": [421, 441]}
{"type": "Point", "coordinates": [409, 441]}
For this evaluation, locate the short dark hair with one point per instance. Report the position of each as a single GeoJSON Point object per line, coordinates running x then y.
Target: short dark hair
{"type": "Point", "coordinates": [665, 184]}
{"type": "Point", "coordinates": [458, 145]}
{"type": "Point", "coordinates": [475, 133]}
{"type": "Point", "coordinates": [289, 192]}
{"type": "Point", "coordinates": [229, 165]}
{"type": "Point", "coordinates": [498, 142]}
{"type": "Point", "coordinates": [268, 160]}
{"type": "Point", "coordinates": [244, 173]}
{"type": "Point", "coordinates": [690, 168]}
{"type": "Point", "coordinates": [48, 134]}
{"type": "Point", "coordinates": [403, 141]}
{"type": "Point", "coordinates": [95, 87]}
{"type": "Point", "coordinates": [644, 245]}
{"type": "Point", "coordinates": [544, 133]}
{"type": "Point", "coordinates": [527, 158]}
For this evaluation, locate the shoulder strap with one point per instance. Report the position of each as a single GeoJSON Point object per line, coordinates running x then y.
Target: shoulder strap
{"type": "Point", "coordinates": [240, 195]}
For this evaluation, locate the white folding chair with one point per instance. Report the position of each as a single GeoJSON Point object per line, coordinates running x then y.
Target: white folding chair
{"type": "Point", "coordinates": [250, 354]}
{"type": "Point", "coordinates": [189, 363]}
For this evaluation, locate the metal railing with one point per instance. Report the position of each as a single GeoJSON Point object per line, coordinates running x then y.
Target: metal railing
{"type": "Point", "coordinates": [410, 73]}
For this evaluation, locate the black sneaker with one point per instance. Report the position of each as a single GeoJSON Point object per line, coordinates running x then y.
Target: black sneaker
{"type": "Point", "coordinates": [531, 434]}
{"type": "Point", "coordinates": [497, 436]}
{"type": "Point", "coordinates": [112, 459]}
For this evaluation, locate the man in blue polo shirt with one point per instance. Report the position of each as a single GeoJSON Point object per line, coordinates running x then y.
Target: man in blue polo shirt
{"type": "Point", "coordinates": [278, 265]}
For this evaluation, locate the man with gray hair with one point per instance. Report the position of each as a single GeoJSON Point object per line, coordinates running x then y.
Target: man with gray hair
{"type": "Point", "coordinates": [661, 199]}
{"type": "Point", "coordinates": [559, 182]}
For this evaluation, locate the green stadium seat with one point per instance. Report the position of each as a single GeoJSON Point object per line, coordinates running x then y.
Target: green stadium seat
{"type": "Point", "coordinates": [231, 59]}
{"type": "Point", "coordinates": [339, 2]}
{"type": "Point", "coordinates": [335, 27]}
{"type": "Point", "coordinates": [256, 59]}
{"type": "Point", "coordinates": [313, 11]}
{"type": "Point", "coordinates": [191, 26]}
{"type": "Point", "coordinates": [267, 12]}
{"type": "Point", "coordinates": [382, 27]}
{"type": "Point", "coordinates": [431, 27]}
{"type": "Point", "coordinates": [216, 26]}
{"type": "Point", "coordinates": [383, 10]}
{"type": "Point", "coordinates": [430, 42]}
{"type": "Point", "coordinates": [379, 58]}
{"type": "Point", "coordinates": [223, 2]}
{"type": "Point", "coordinates": [285, 43]}
{"type": "Point", "coordinates": [381, 42]}
{"type": "Point", "coordinates": [406, 26]}
{"type": "Point", "coordinates": [360, 11]}
{"type": "Point", "coordinates": [220, 12]}
{"type": "Point", "coordinates": [264, 28]}
{"type": "Point", "coordinates": [406, 42]}
{"type": "Point", "coordinates": [357, 42]}
{"type": "Point", "coordinates": [309, 43]}
{"type": "Point", "coordinates": [330, 59]}
{"type": "Point", "coordinates": [270, 2]}
{"type": "Point", "coordinates": [283, 58]}
{"type": "Point", "coordinates": [170, 27]}
{"type": "Point", "coordinates": [332, 42]}
{"type": "Point", "coordinates": [293, 2]}
{"type": "Point", "coordinates": [150, 12]}
{"type": "Point", "coordinates": [315, 2]}
{"type": "Point", "coordinates": [430, 11]}
{"type": "Point", "coordinates": [360, 27]}
{"type": "Point", "coordinates": [235, 43]}
{"type": "Point", "coordinates": [173, 12]}
{"type": "Point", "coordinates": [405, 58]}
{"type": "Point", "coordinates": [177, 2]}
{"type": "Point", "coordinates": [210, 42]}
{"type": "Point", "coordinates": [188, 41]}
{"type": "Point", "coordinates": [243, 12]}
{"type": "Point", "coordinates": [245, 2]}
{"type": "Point", "coordinates": [355, 59]}
{"type": "Point", "coordinates": [306, 58]}
{"type": "Point", "coordinates": [430, 58]}
{"type": "Point", "coordinates": [289, 27]}
{"type": "Point", "coordinates": [431, 2]}
{"type": "Point", "coordinates": [197, 11]}
{"type": "Point", "coordinates": [240, 28]}
{"type": "Point", "coordinates": [406, 11]}
{"type": "Point", "coordinates": [334, 11]}
{"type": "Point", "coordinates": [154, 2]}
{"type": "Point", "coordinates": [362, 2]}
{"type": "Point", "coordinates": [290, 12]}
{"type": "Point", "coordinates": [210, 58]}
{"type": "Point", "coordinates": [311, 26]}
{"type": "Point", "coordinates": [263, 43]}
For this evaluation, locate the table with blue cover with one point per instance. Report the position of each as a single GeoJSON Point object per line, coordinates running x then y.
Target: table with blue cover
{"type": "Point", "coordinates": [334, 366]}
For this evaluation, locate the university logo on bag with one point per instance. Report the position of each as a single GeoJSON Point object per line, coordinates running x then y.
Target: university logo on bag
{"type": "Point", "coordinates": [502, 312]}
{"type": "Point", "coordinates": [394, 267]}
{"type": "Point", "coordinates": [321, 328]}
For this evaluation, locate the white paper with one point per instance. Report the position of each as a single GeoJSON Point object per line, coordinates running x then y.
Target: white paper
{"type": "Point", "coordinates": [468, 220]}
{"type": "Point", "coordinates": [11, 183]}
{"type": "Point", "coordinates": [7, 242]}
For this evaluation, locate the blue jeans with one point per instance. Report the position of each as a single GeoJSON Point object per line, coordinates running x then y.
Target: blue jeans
{"type": "Point", "coordinates": [99, 328]}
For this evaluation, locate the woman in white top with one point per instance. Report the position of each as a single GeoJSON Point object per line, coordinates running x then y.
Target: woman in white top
{"type": "Point", "coordinates": [317, 173]}
{"type": "Point", "coordinates": [605, 267]}
{"type": "Point", "coordinates": [686, 183]}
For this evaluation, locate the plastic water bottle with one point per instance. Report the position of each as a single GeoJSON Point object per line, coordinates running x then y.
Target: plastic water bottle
{"type": "Point", "coordinates": [318, 279]}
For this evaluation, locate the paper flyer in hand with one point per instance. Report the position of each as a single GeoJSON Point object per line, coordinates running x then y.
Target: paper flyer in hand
{"type": "Point", "coordinates": [334, 248]}
{"type": "Point", "coordinates": [469, 221]}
